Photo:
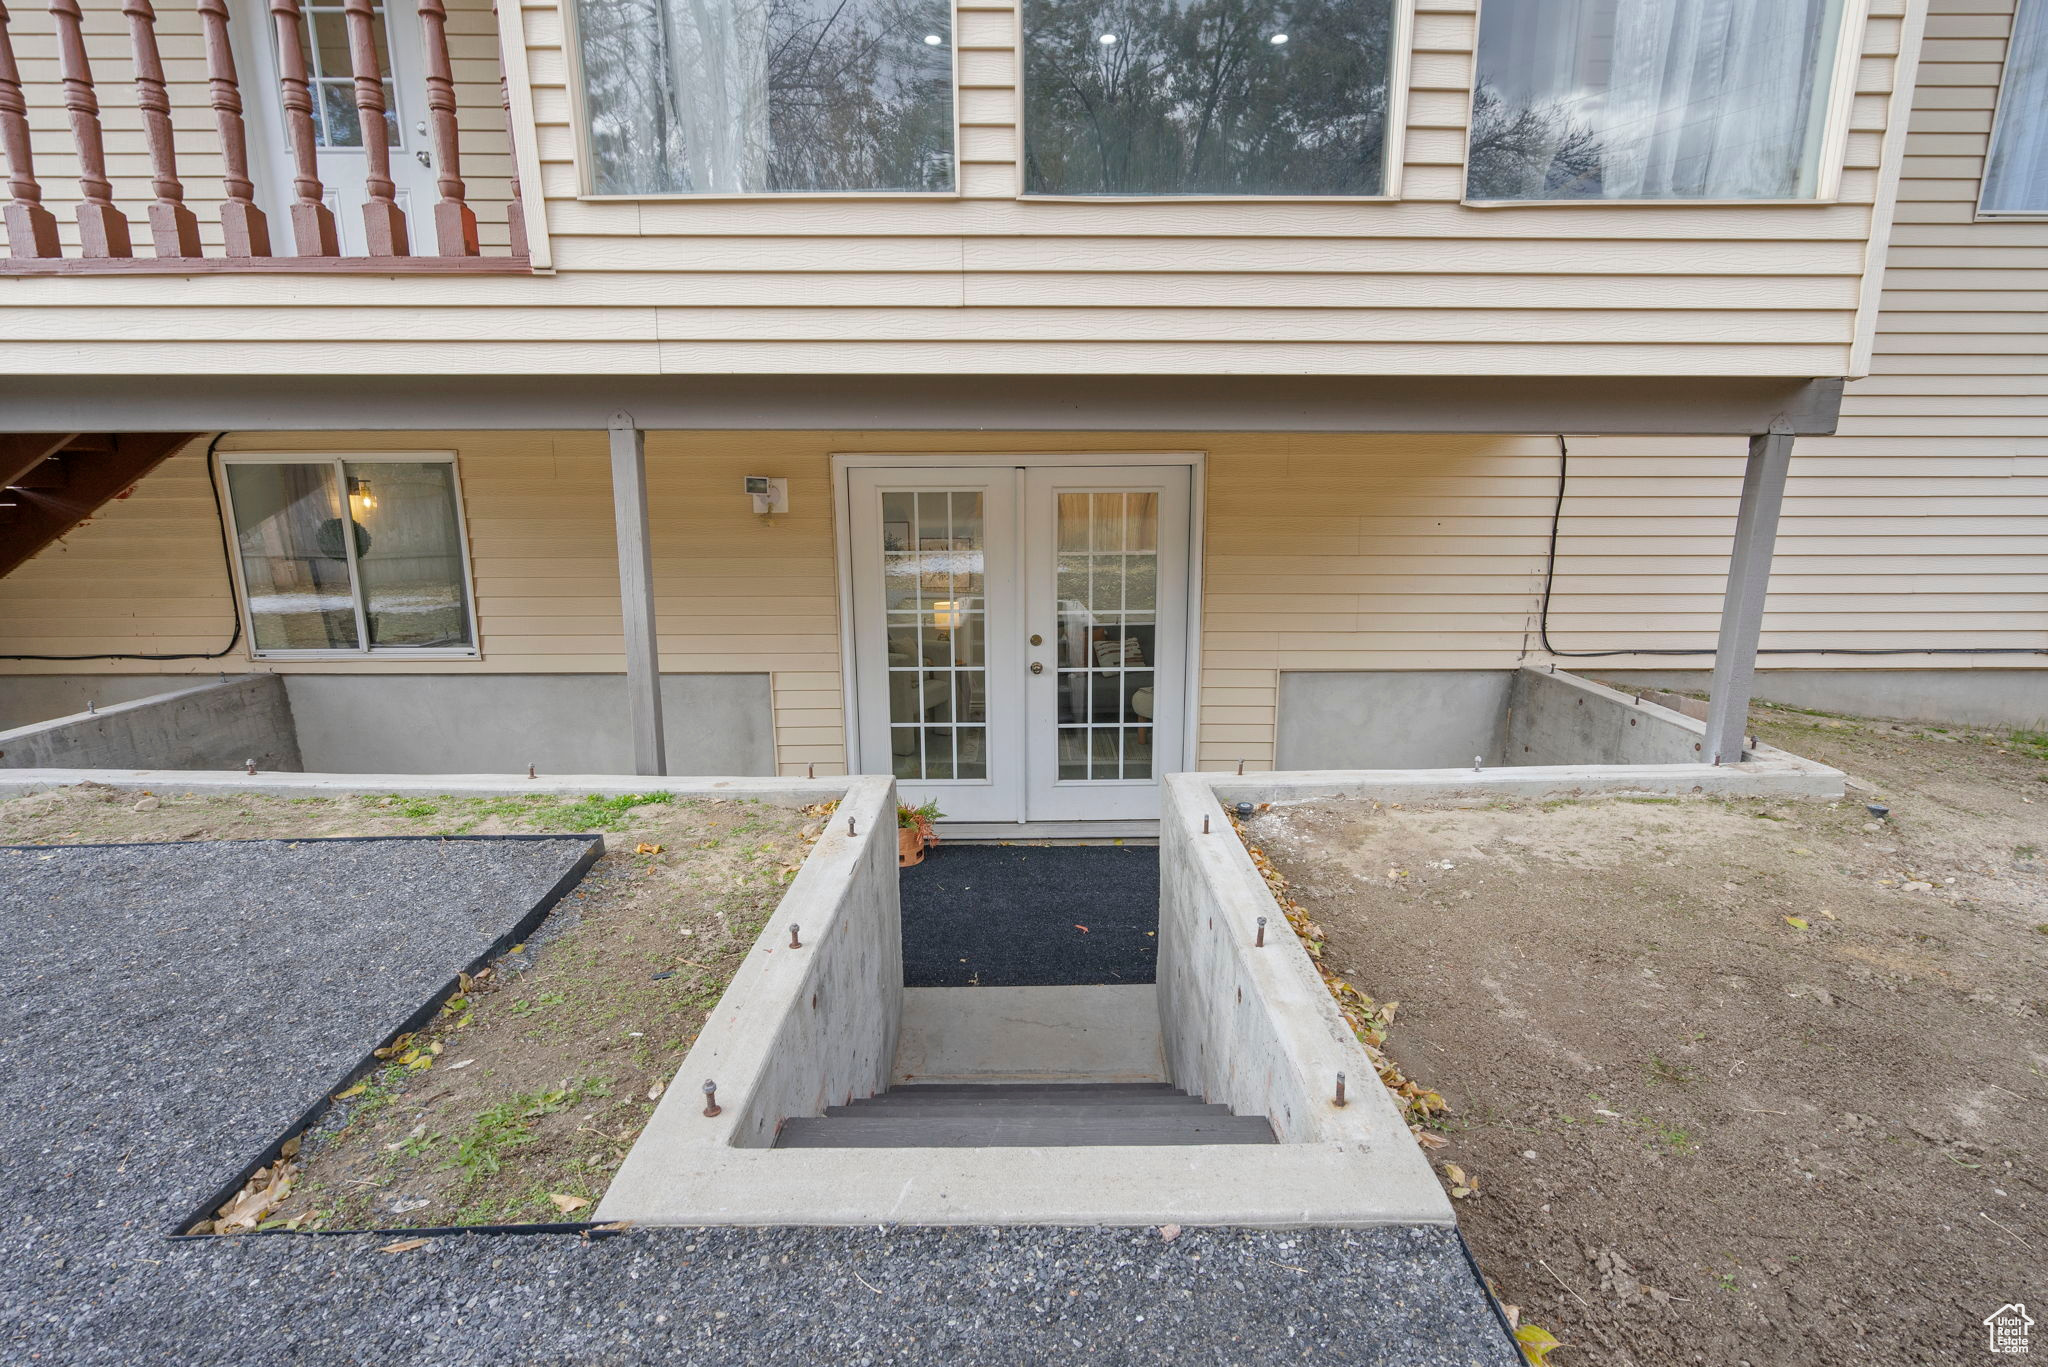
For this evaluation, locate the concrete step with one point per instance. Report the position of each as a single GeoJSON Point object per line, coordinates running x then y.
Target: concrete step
{"type": "Point", "coordinates": [1000, 1131]}
{"type": "Point", "coordinates": [1037, 1115]}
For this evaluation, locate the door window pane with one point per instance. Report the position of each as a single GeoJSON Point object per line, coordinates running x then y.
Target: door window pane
{"type": "Point", "coordinates": [1108, 575]}
{"type": "Point", "coordinates": [1651, 99]}
{"type": "Point", "coordinates": [1201, 97]}
{"type": "Point", "coordinates": [2016, 173]}
{"type": "Point", "coordinates": [409, 552]}
{"type": "Point", "coordinates": [753, 96]}
{"type": "Point", "coordinates": [330, 70]}
{"type": "Point", "coordinates": [289, 529]}
{"type": "Point", "coordinates": [936, 627]}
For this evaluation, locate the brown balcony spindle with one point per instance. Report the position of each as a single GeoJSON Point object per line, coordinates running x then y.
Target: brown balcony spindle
{"type": "Point", "coordinates": [245, 231]}
{"type": "Point", "coordinates": [383, 220]}
{"type": "Point", "coordinates": [515, 212]}
{"type": "Point", "coordinates": [102, 227]}
{"type": "Point", "coordinates": [312, 221]}
{"type": "Point", "coordinates": [171, 225]}
{"type": "Point", "coordinates": [454, 222]}
{"type": "Point", "coordinates": [31, 229]}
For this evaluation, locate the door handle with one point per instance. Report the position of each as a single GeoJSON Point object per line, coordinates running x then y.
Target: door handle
{"type": "Point", "coordinates": [1037, 668]}
{"type": "Point", "coordinates": [425, 158]}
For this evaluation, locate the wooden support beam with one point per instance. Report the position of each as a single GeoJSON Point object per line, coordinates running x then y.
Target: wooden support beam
{"type": "Point", "coordinates": [21, 452]}
{"type": "Point", "coordinates": [636, 593]}
{"type": "Point", "coordinates": [1742, 607]}
{"type": "Point", "coordinates": [43, 517]}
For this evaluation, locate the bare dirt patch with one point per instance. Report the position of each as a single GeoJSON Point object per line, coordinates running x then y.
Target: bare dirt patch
{"type": "Point", "coordinates": [1702, 1131]}
{"type": "Point", "coordinates": [520, 1100]}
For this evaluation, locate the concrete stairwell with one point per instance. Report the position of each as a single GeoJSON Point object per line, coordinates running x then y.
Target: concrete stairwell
{"type": "Point", "coordinates": [967, 1115]}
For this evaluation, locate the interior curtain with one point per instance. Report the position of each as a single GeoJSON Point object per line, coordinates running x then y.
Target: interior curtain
{"type": "Point", "coordinates": [718, 56]}
{"type": "Point", "coordinates": [2016, 174]}
{"type": "Point", "coordinates": [1716, 99]}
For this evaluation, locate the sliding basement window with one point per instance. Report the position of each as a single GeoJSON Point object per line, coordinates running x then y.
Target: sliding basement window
{"type": "Point", "coordinates": [348, 555]}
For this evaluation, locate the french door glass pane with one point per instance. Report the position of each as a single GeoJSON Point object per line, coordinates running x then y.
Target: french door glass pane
{"type": "Point", "coordinates": [409, 552]}
{"type": "Point", "coordinates": [752, 96]}
{"type": "Point", "coordinates": [1651, 99]}
{"type": "Point", "coordinates": [1107, 583]}
{"type": "Point", "coordinates": [2016, 174]}
{"type": "Point", "coordinates": [289, 529]}
{"type": "Point", "coordinates": [936, 628]}
{"type": "Point", "coordinates": [1188, 97]}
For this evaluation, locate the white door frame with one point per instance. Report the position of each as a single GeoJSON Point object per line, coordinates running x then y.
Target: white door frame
{"type": "Point", "coordinates": [845, 461]}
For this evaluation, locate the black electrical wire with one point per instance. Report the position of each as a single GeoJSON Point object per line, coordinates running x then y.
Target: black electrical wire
{"type": "Point", "coordinates": [1564, 459]}
{"type": "Point", "coordinates": [228, 564]}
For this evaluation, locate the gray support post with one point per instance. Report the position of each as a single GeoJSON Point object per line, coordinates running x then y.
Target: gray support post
{"type": "Point", "coordinates": [636, 593]}
{"type": "Point", "coordinates": [1742, 609]}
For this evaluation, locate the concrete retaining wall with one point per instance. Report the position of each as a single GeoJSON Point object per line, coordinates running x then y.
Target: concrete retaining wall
{"type": "Point", "coordinates": [501, 723]}
{"type": "Point", "coordinates": [1390, 719]}
{"type": "Point", "coordinates": [1561, 719]}
{"type": "Point", "coordinates": [209, 726]}
{"type": "Point", "coordinates": [26, 698]}
{"type": "Point", "coordinates": [1253, 1026]}
{"type": "Point", "coordinates": [797, 1029]}
{"type": "Point", "coordinates": [1996, 697]}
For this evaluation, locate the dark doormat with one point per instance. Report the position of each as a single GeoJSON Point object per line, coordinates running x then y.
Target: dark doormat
{"type": "Point", "coordinates": [1014, 916]}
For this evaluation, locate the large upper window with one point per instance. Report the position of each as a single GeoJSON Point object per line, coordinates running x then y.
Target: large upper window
{"type": "Point", "coordinates": [1206, 97]}
{"type": "Point", "coordinates": [2016, 172]}
{"type": "Point", "coordinates": [726, 97]}
{"type": "Point", "coordinates": [351, 554]}
{"type": "Point", "coordinates": [1652, 99]}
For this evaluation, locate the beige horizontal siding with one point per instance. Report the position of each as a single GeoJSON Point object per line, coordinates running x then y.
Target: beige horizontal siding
{"type": "Point", "coordinates": [1321, 553]}
{"type": "Point", "coordinates": [988, 282]}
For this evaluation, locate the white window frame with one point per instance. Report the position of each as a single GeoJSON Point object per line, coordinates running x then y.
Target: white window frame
{"type": "Point", "coordinates": [1399, 78]}
{"type": "Point", "coordinates": [339, 460]}
{"type": "Point", "coordinates": [1834, 139]}
{"type": "Point", "coordinates": [1997, 117]}
{"type": "Point", "coordinates": [586, 166]}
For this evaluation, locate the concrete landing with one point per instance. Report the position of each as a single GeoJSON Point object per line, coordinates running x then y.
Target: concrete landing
{"type": "Point", "coordinates": [1030, 1034]}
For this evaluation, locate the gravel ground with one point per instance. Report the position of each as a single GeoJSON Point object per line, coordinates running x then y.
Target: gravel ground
{"type": "Point", "coordinates": [202, 994]}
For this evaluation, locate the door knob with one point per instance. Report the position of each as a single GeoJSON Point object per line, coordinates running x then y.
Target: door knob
{"type": "Point", "coordinates": [425, 158]}
{"type": "Point", "coordinates": [1036, 639]}
{"type": "Point", "coordinates": [1037, 668]}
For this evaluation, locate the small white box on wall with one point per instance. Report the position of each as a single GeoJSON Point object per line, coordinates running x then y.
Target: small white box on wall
{"type": "Point", "coordinates": [770, 495]}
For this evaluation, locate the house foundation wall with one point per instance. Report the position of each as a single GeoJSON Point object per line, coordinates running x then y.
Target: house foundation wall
{"type": "Point", "coordinates": [1963, 697]}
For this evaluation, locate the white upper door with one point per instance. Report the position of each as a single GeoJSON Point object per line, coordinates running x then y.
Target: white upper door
{"type": "Point", "coordinates": [337, 128]}
{"type": "Point", "coordinates": [1106, 612]}
{"type": "Point", "coordinates": [936, 636]}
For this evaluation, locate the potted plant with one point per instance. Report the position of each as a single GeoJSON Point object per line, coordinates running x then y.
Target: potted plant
{"type": "Point", "coordinates": [914, 833]}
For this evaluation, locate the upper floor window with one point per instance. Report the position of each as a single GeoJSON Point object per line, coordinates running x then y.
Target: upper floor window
{"type": "Point", "coordinates": [1652, 99]}
{"type": "Point", "coordinates": [2016, 172]}
{"type": "Point", "coordinates": [733, 97]}
{"type": "Point", "coordinates": [1207, 97]}
{"type": "Point", "coordinates": [351, 553]}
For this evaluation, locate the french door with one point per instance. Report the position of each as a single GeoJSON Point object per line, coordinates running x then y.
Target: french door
{"type": "Point", "coordinates": [1020, 635]}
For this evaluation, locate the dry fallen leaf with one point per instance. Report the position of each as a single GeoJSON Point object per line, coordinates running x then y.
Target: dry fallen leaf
{"type": "Point", "coordinates": [566, 1204]}
{"type": "Point", "coordinates": [644, 848]}
{"type": "Point", "coordinates": [654, 1092]}
{"type": "Point", "coordinates": [404, 1246]}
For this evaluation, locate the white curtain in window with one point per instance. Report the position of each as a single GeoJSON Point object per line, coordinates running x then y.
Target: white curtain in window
{"type": "Point", "coordinates": [2016, 173]}
{"type": "Point", "coordinates": [719, 55]}
{"type": "Point", "coordinates": [1716, 99]}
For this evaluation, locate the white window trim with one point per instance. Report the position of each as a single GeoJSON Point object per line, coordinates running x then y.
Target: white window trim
{"type": "Point", "coordinates": [1834, 141]}
{"type": "Point", "coordinates": [365, 651]}
{"type": "Point", "coordinates": [586, 165]}
{"type": "Point", "coordinates": [1998, 116]}
{"type": "Point", "coordinates": [1395, 153]}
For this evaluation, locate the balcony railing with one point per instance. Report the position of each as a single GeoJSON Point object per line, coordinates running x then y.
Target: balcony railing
{"type": "Point", "coordinates": [250, 239]}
